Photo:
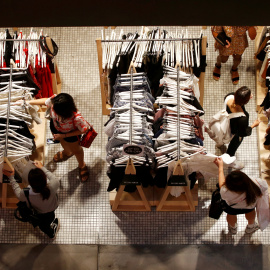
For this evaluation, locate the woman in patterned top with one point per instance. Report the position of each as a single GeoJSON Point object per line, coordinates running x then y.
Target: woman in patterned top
{"type": "Point", "coordinates": [66, 125]}
{"type": "Point", "coordinates": [235, 47]}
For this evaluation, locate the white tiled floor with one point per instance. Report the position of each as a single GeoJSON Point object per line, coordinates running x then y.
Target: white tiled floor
{"type": "Point", "coordinates": [84, 210]}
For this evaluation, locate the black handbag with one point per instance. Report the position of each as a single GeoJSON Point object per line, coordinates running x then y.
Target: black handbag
{"type": "Point", "coordinates": [24, 213]}
{"type": "Point", "coordinates": [217, 205]}
{"type": "Point", "coordinates": [222, 37]}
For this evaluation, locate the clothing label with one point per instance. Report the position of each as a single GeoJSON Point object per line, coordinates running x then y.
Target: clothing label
{"type": "Point", "coordinates": [133, 150]}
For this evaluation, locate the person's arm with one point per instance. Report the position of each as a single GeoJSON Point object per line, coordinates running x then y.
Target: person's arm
{"type": "Point", "coordinates": [252, 32]}
{"type": "Point", "coordinates": [221, 177]}
{"type": "Point", "coordinates": [19, 193]}
{"type": "Point", "coordinates": [40, 101]}
{"type": "Point", "coordinates": [69, 134]}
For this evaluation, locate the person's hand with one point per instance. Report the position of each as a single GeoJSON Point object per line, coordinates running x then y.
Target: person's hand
{"type": "Point", "coordinates": [38, 164]}
{"type": "Point", "coordinates": [219, 162]}
{"type": "Point", "coordinates": [8, 173]}
{"type": "Point", "coordinates": [59, 137]}
{"type": "Point", "coordinates": [228, 44]}
{"type": "Point", "coordinates": [256, 123]}
{"type": "Point", "coordinates": [19, 102]}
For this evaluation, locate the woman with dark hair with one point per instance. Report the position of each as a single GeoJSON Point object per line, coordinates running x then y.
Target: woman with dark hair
{"type": "Point", "coordinates": [42, 196]}
{"type": "Point", "coordinates": [235, 102]}
{"type": "Point", "coordinates": [67, 125]}
{"type": "Point", "coordinates": [240, 194]}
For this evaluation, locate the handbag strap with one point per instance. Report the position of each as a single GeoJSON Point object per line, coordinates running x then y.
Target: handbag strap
{"type": "Point", "coordinates": [26, 193]}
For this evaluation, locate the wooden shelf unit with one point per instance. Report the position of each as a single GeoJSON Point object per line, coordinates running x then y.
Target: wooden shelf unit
{"type": "Point", "coordinates": [261, 91]}
{"type": "Point", "coordinates": [7, 197]}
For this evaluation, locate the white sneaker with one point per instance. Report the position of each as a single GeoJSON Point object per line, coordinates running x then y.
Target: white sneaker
{"type": "Point", "coordinates": [252, 228]}
{"type": "Point", "coordinates": [238, 165]}
{"type": "Point", "coordinates": [233, 230]}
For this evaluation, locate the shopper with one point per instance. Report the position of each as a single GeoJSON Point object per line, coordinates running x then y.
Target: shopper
{"type": "Point", "coordinates": [42, 196]}
{"type": "Point", "coordinates": [235, 47]}
{"type": "Point", "coordinates": [240, 125]}
{"type": "Point", "coordinates": [67, 125]}
{"type": "Point", "coordinates": [240, 195]}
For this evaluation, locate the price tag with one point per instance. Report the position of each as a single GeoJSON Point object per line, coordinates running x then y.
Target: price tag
{"type": "Point", "coordinates": [133, 150]}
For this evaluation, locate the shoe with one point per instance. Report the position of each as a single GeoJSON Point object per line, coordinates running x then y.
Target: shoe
{"type": "Point", "coordinates": [55, 226]}
{"type": "Point", "coordinates": [232, 230]}
{"type": "Point", "coordinates": [237, 165]}
{"type": "Point", "coordinates": [252, 228]}
{"type": "Point", "coordinates": [83, 174]}
{"type": "Point", "coordinates": [235, 76]}
{"type": "Point", "coordinates": [61, 156]}
{"type": "Point", "coordinates": [216, 72]}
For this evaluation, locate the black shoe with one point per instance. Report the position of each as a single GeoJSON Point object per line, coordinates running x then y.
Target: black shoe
{"type": "Point", "coordinates": [55, 226]}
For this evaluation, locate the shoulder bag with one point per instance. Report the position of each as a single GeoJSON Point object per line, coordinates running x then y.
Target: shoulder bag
{"type": "Point", "coordinates": [24, 213]}
{"type": "Point", "coordinates": [88, 137]}
{"type": "Point", "coordinates": [217, 205]}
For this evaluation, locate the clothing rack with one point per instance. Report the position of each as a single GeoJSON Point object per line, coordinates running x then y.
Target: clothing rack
{"type": "Point", "coordinates": [261, 91]}
{"type": "Point", "coordinates": [56, 80]}
{"type": "Point", "coordinates": [155, 39]}
{"type": "Point", "coordinates": [166, 203]}
{"type": "Point", "coordinates": [7, 198]}
{"type": "Point", "coordinates": [138, 201]}
{"type": "Point", "coordinates": [105, 105]}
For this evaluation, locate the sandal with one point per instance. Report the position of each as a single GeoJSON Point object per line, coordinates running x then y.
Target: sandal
{"type": "Point", "coordinates": [83, 173]}
{"type": "Point", "coordinates": [216, 72]}
{"type": "Point", "coordinates": [235, 76]}
{"type": "Point", "coordinates": [60, 156]}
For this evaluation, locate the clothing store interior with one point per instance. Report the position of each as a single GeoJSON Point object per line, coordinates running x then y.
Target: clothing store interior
{"type": "Point", "coordinates": [176, 117]}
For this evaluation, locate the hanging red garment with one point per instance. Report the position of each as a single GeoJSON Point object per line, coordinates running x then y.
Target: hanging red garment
{"type": "Point", "coordinates": [31, 72]}
{"type": "Point", "coordinates": [45, 80]}
{"type": "Point", "coordinates": [49, 80]}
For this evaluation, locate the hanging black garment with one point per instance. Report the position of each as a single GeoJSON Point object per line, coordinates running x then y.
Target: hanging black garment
{"type": "Point", "coordinates": [266, 102]}
{"type": "Point", "coordinates": [8, 51]}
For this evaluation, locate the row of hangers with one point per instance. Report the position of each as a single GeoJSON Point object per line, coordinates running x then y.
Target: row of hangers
{"type": "Point", "coordinates": [131, 119]}
{"type": "Point", "coordinates": [25, 50]}
{"type": "Point", "coordinates": [173, 47]}
{"type": "Point", "coordinates": [14, 145]}
{"type": "Point", "coordinates": [175, 127]}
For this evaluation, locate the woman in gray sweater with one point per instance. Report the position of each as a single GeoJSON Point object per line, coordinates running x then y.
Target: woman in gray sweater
{"type": "Point", "coordinates": [42, 196]}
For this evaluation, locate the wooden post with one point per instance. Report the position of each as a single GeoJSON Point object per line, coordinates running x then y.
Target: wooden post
{"type": "Point", "coordinates": [177, 204]}
{"type": "Point", "coordinates": [202, 75]}
{"type": "Point", "coordinates": [136, 201]}
{"type": "Point", "coordinates": [105, 106]}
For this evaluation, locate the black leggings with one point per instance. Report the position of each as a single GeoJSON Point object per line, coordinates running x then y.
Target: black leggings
{"type": "Point", "coordinates": [45, 223]}
{"type": "Point", "coordinates": [234, 144]}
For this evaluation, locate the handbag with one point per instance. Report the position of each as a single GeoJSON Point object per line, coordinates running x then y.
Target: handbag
{"type": "Point", "coordinates": [217, 205]}
{"type": "Point", "coordinates": [88, 137]}
{"type": "Point", "coordinates": [25, 214]}
{"type": "Point", "coordinates": [222, 37]}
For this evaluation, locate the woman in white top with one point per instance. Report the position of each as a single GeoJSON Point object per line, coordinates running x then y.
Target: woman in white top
{"type": "Point", "coordinates": [240, 196]}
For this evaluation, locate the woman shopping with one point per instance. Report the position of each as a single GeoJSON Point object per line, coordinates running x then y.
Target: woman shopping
{"type": "Point", "coordinates": [42, 196]}
{"type": "Point", "coordinates": [235, 45]}
{"type": "Point", "coordinates": [67, 125]}
{"type": "Point", "coordinates": [241, 195]}
{"type": "Point", "coordinates": [235, 102]}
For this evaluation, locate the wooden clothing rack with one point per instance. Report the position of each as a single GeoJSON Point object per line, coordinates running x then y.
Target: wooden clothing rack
{"type": "Point", "coordinates": [105, 106]}
{"type": "Point", "coordinates": [123, 201]}
{"type": "Point", "coordinates": [261, 91]}
{"type": "Point", "coordinates": [185, 202]}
